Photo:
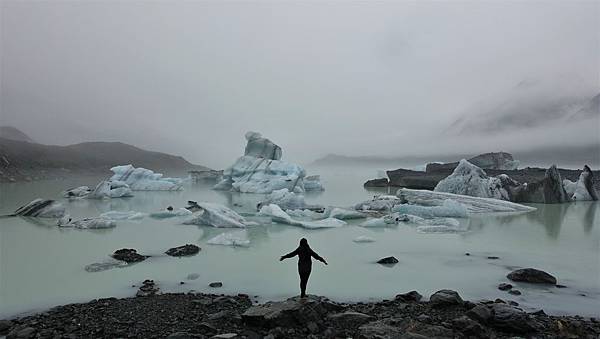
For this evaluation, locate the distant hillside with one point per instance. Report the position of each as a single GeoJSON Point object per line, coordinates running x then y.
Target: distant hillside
{"type": "Point", "coordinates": [20, 160]}
{"type": "Point", "coordinates": [9, 132]}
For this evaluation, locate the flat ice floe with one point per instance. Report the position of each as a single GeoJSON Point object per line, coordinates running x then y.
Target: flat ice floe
{"type": "Point", "coordinates": [279, 216]}
{"type": "Point", "coordinates": [216, 215]}
{"type": "Point", "coordinates": [86, 223]}
{"type": "Point", "coordinates": [380, 203]}
{"type": "Point", "coordinates": [141, 179]}
{"type": "Point", "coordinates": [118, 215]}
{"type": "Point", "coordinates": [449, 208]}
{"type": "Point", "coordinates": [342, 213]}
{"type": "Point", "coordinates": [180, 212]}
{"type": "Point", "coordinates": [363, 239]}
{"type": "Point", "coordinates": [238, 238]}
{"type": "Point", "coordinates": [472, 204]}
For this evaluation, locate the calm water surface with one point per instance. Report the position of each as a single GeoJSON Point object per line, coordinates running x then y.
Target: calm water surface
{"type": "Point", "coordinates": [42, 265]}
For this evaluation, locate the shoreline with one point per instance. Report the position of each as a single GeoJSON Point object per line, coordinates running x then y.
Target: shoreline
{"type": "Point", "coordinates": [152, 314]}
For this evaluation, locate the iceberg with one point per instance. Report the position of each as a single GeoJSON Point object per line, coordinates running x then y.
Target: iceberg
{"type": "Point", "coordinates": [239, 238]}
{"type": "Point", "coordinates": [285, 199]}
{"type": "Point", "coordinates": [472, 204]}
{"type": "Point", "coordinates": [110, 189]}
{"type": "Point", "coordinates": [313, 183]}
{"type": "Point", "coordinates": [181, 212]}
{"type": "Point", "coordinates": [363, 239]}
{"type": "Point", "coordinates": [41, 208]}
{"type": "Point", "coordinates": [378, 203]}
{"type": "Point", "coordinates": [77, 192]}
{"type": "Point", "coordinates": [141, 179]}
{"type": "Point", "coordinates": [449, 208]}
{"type": "Point", "coordinates": [87, 223]}
{"type": "Point", "coordinates": [385, 221]}
{"type": "Point", "coordinates": [118, 215]}
{"type": "Point", "coordinates": [583, 189]}
{"type": "Point", "coordinates": [279, 216]}
{"type": "Point", "coordinates": [468, 179]}
{"type": "Point", "coordinates": [216, 215]}
{"type": "Point", "coordinates": [260, 170]}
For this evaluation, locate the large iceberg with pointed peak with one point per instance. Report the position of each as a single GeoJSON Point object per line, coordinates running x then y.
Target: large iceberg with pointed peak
{"type": "Point", "coordinates": [141, 179]}
{"type": "Point", "coordinates": [261, 170]}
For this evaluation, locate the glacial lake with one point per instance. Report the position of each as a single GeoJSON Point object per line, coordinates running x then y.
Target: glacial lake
{"type": "Point", "coordinates": [42, 265]}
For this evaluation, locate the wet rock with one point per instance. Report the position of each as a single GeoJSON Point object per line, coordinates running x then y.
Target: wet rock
{"type": "Point", "coordinates": [382, 182]}
{"type": "Point", "coordinates": [513, 303]}
{"type": "Point", "coordinates": [412, 296]}
{"type": "Point", "coordinates": [5, 326]}
{"type": "Point", "coordinates": [510, 318]}
{"type": "Point", "coordinates": [148, 288]}
{"type": "Point", "coordinates": [349, 319]}
{"type": "Point", "coordinates": [129, 255]}
{"type": "Point", "coordinates": [532, 275]}
{"type": "Point", "coordinates": [492, 257]}
{"type": "Point", "coordinates": [444, 298]}
{"type": "Point", "coordinates": [291, 312]}
{"type": "Point", "coordinates": [515, 292]}
{"type": "Point", "coordinates": [380, 329]}
{"type": "Point", "coordinates": [21, 333]}
{"type": "Point", "coordinates": [480, 313]}
{"type": "Point", "coordinates": [184, 335]}
{"type": "Point", "coordinates": [388, 261]}
{"type": "Point", "coordinates": [183, 251]}
{"type": "Point", "coordinates": [505, 286]}
{"type": "Point", "coordinates": [468, 327]}
{"type": "Point", "coordinates": [216, 284]}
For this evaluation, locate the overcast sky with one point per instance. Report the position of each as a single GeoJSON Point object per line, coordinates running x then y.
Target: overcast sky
{"type": "Point", "coordinates": [346, 77]}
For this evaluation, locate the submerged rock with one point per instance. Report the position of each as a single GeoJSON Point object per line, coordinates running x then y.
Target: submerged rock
{"type": "Point", "coordinates": [183, 251]}
{"type": "Point", "coordinates": [42, 208]}
{"type": "Point", "coordinates": [148, 288]}
{"type": "Point", "coordinates": [128, 255]}
{"type": "Point", "coordinates": [505, 287]}
{"type": "Point", "coordinates": [532, 275]}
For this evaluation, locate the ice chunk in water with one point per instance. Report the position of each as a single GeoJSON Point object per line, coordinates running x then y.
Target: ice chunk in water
{"type": "Point", "coordinates": [217, 216]}
{"type": "Point", "coordinates": [42, 208]}
{"type": "Point", "coordinates": [385, 221]}
{"type": "Point", "coordinates": [118, 215]}
{"type": "Point", "coordinates": [449, 208]}
{"type": "Point", "coordinates": [285, 199]}
{"type": "Point", "coordinates": [239, 238]}
{"type": "Point", "coordinates": [181, 212]}
{"type": "Point", "coordinates": [313, 183]}
{"type": "Point", "coordinates": [378, 203]}
{"type": "Point", "coordinates": [468, 179]}
{"type": "Point", "coordinates": [77, 192]}
{"type": "Point", "coordinates": [342, 213]}
{"type": "Point", "coordinates": [87, 223]}
{"type": "Point", "coordinates": [279, 216]}
{"type": "Point", "coordinates": [141, 179]}
{"type": "Point", "coordinates": [110, 189]}
{"type": "Point", "coordinates": [472, 204]}
{"type": "Point", "coordinates": [363, 238]}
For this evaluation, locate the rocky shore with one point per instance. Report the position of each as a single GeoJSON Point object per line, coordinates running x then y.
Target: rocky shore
{"type": "Point", "coordinates": [192, 315]}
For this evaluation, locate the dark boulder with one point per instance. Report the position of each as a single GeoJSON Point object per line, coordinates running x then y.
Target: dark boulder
{"type": "Point", "coordinates": [388, 261]}
{"type": "Point", "coordinates": [532, 275]}
{"type": "Point", "coordinates": [148, 288]}
{"type": "Point", "coordinates": [290, 313]}
{"type": "Point", "coordinates": [444, 298]}
{"type": "Point", "coordinates": [129, 255]}
{"type": "Point", "coordinates": [216, 284]}
{"type": "Point", "coordinates": [412, 296]}
{"type": "Point", "coordinates": [185, 250]}
{"type": "Point", "coordinates": [5, 326]}
{"type": "Point", "coordinates": [510, 318]}
{"type": "Point", "coordinates": [480, 313]}
{"type": "Point", "coordinates": [505, 286]}
{"type": "Point", "coordinates": [382, 182]}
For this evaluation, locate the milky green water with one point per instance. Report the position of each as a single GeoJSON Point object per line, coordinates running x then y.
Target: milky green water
{"type": "Point", "coordinates": [42, 265]}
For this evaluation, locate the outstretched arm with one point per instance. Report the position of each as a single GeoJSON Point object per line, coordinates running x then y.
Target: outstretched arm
{"type": "Point", "coordinates": [318, 257]}
{"type": "Point", "coordinates": [289, 255]}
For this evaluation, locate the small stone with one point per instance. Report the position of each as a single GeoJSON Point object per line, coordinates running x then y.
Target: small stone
{"type": "Point", "coordinates": [467, 254]}
{"type": "Point", "coordinates": [505, 287]}
{"type": "Point", "coordinates": [424, 318]}
{"type": "Point", "coordinates": [388, 261]}
{"type": "Point", "coordinates": [515, 292]}
{"type": "Point", "coordinates": [443, 298]}
{"type": "Point", "coordinates": [216, 284]}
{"type": "Point", "coordinates": [312, 327]}
{"type": "Point", "coordinates": [491, 257]}
{"type": "Point", "coordinates": [181, 283]}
